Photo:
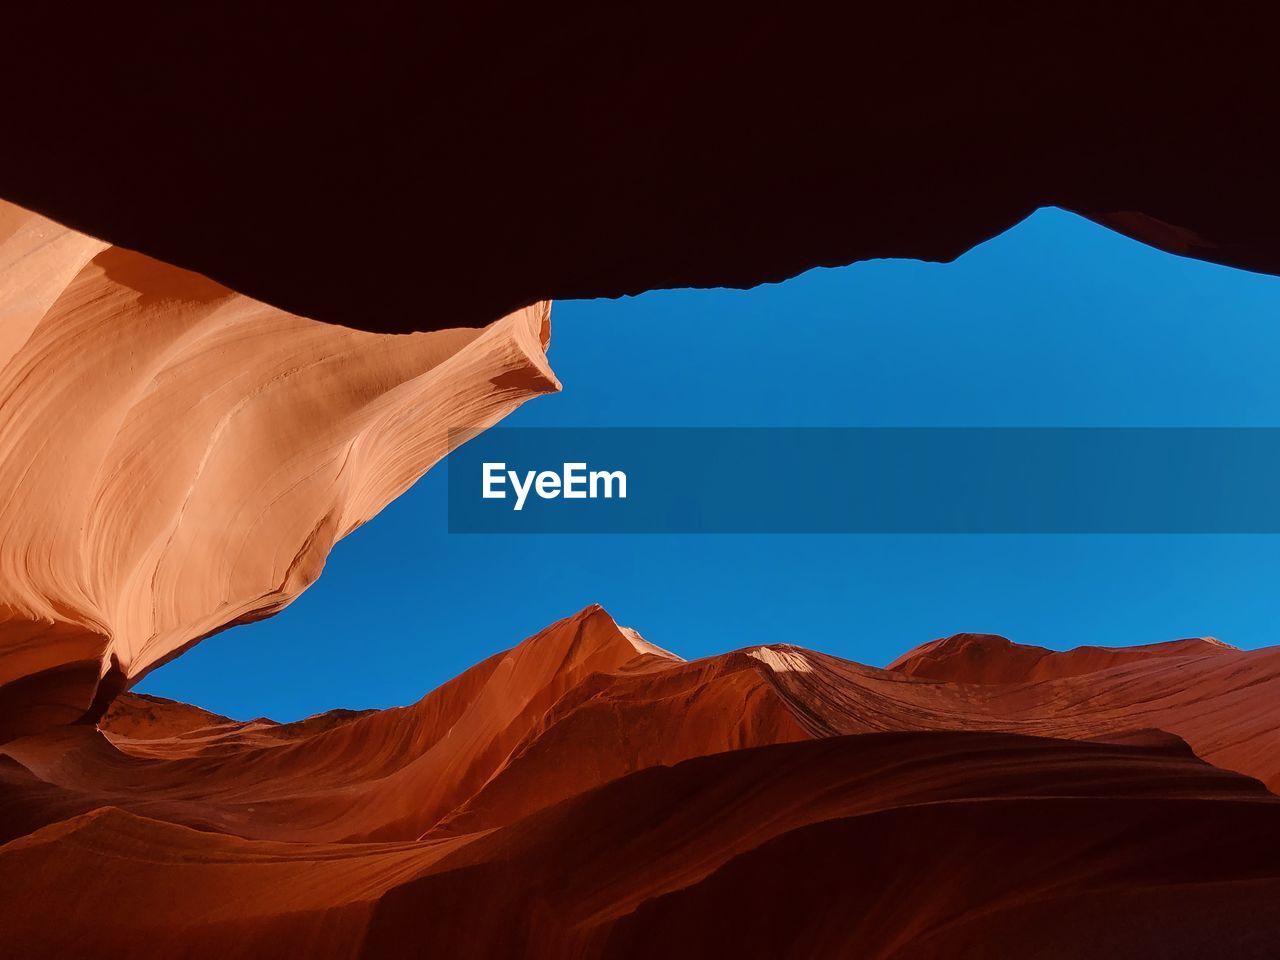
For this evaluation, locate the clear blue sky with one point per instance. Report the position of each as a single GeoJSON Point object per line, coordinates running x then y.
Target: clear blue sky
{"type": "Point", "coordinates": [1056, 323]}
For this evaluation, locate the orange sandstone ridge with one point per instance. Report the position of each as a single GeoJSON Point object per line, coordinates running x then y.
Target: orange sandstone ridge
{"type": "Point", "coordinates": [589, 794]}
{"type": "Point", "coordinates": [193, 469]}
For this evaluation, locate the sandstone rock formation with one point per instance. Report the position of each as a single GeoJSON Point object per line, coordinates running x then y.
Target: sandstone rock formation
{"type": "Point", "coordinates": [342, 164]}
{"type": "Point", "coordinates": [986, 658]}
{"type": "Point", "coordinates": [176, 458]}
{"type": "Point", "coordinates": [590, 794]}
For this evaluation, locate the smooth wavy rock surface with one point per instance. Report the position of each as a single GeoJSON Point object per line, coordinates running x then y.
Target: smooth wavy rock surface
{"type": "Point", "coordinates": [194, 468]}
{"type": "Point", "coordinates": [589, 794]}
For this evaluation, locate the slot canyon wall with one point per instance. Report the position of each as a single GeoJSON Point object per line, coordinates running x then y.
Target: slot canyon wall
{"type": "Point", "coordinates": [255, 264]}
{"type": "Point", "coordinates": [176, 458]}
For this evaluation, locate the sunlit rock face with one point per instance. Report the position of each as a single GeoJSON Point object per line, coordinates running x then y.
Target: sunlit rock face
{"type": "Point", "coordinates": [176, 458]}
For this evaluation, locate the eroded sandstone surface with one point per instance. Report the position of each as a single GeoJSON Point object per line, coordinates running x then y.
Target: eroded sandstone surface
{"type": "Point", "coordinates": [176, 458]}
{"type": "Point", "coordinates": [589, 794]}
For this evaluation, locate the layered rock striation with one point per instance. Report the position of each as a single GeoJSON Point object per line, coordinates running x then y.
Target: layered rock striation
{"type": "Point", "coordinates": [587, 794]}
{"type": "Point", "coordinates": [176, 458]}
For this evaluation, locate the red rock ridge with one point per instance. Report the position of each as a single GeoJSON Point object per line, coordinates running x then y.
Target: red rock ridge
{"type": "Point", "coordinates": [987, 658]}
{"type": "Point", "coordinates": [589, 794]}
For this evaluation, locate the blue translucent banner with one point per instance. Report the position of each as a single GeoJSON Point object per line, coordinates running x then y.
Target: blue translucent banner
{"type": "Point", "coordinates": [866, 480]}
